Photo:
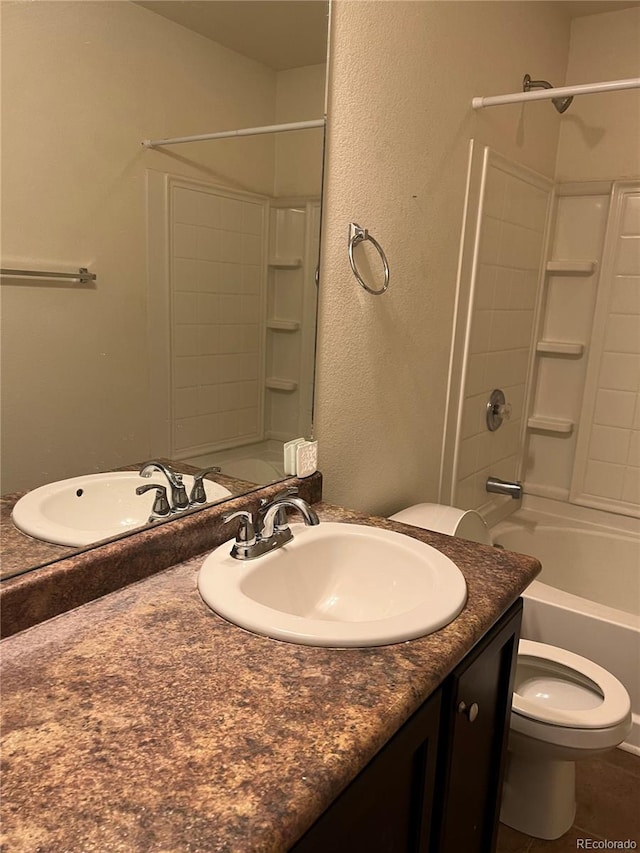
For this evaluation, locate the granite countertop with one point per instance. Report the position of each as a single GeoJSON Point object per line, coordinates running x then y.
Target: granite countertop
{"type": "Point", "coordinates": [32, 597]}
{"type": "Point", "coordinates": [21, 553]}
{"type": "Point", "coordinates": [142, 721]}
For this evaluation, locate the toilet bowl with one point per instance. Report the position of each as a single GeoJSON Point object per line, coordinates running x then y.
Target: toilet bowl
{"type": "Point", "coordinates": [565, 707]}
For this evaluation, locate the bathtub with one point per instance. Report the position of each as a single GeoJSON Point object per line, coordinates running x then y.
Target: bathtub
{"type": "Point", "coordinates": [587, 598]}
{"type": "Point", "coordinates": [254, 470]}
{"type": "Point", "coordinates": [253, 463]}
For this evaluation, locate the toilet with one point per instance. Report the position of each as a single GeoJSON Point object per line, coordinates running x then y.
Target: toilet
{"type": "Point", "coordinates": [465, 524]}
{"type": "Point", "coordinates": [564, 707]}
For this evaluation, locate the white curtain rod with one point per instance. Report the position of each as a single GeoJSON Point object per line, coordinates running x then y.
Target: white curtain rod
{"type": "Point", "coordinates": [245, 131]}
{"type": "Point", "coordinates": [559, 92]}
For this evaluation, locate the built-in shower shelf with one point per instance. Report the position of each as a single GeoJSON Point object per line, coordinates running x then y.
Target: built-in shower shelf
{"type": "Point", "coordinates": [274, 383]}
{"type": "Point", "coordinates": [283, 325]}
{"type": "Point", "coordinates": [285, 263]}
{"type": "Point", "coordinates": [567, 267]}
{"type": "Point", "coordinates": [561, 426]}
{"type": "Point", "coordinates": [559, 348]}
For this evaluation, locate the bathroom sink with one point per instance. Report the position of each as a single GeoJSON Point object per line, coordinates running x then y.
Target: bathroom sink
{"type": "Point", "coordinates": [87, 509]}
{"type": "Point", "coordinates": [337, 585]}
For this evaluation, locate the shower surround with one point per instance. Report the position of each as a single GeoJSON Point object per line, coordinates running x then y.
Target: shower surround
{"type": "Point", "coordinates": [577, 448]}
{"type": "Point", "coordinates": [503, 250]}
{"type": "Point", "coordinates": [233, 305]}
{"type": "Point", "coordinates": [568, 360]}
{"type": "Point", "coordinates": [549, 311]}
{"type": "Point", "coordinates": [588, 369]}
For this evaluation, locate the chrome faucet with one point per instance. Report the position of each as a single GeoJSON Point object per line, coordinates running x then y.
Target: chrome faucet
{"type": "Point", "coordinates": [179, 499]}
{"type": "Point", "coordinates": [273, 525]}
{"type": "Point", "coordinates": [265, 503]}
{"type": "Point", "coordinates": [504, 487]}
{"type": "Point", "coordinates": [269, 530]}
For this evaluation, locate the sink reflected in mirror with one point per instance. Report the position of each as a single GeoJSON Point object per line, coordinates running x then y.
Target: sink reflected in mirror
{"type": "Point", "coordinates": [337, 585]}
{"type": "Point", "coordinates": [85, 510]}
{"type": "Point", "coordinates": [182, 353]}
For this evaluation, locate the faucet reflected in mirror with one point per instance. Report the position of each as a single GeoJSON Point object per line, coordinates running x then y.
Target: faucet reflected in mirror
{"type": "Point", "coordinates": [179, 501]}
{"type": "Point", "coordinates": [88, 509]}
{"type": "Point", "coordinates": [209, 384]}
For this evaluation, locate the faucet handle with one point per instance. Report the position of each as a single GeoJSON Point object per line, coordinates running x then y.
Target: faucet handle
{"type": "Point", "coordinates": [247, 531]}
{"type": "Point", "coordinates": [198, 494]}
{"type": "Point", "coordinates": [161, 507]}
{"type": "Point", "coordinates": [498, 410]}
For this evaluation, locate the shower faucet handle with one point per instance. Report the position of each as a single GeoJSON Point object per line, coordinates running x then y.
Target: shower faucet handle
{"type": "Point", "coordinates": [498, 410]}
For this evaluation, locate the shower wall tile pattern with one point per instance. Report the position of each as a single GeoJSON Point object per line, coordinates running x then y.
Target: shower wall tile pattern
{"type": "Point", "coordinates": [217, 247]}
{"type": "Point", "coordinates": [512, 228]}
{"type": "Point", "coordinates": [608, 459]}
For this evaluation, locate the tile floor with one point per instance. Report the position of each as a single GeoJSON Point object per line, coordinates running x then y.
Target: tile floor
{"type": "Point", "coordinates": [608, 808]}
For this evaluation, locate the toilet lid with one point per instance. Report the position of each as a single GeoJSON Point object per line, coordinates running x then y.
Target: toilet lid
{"type": "Point", "coordinates": [565, 689]}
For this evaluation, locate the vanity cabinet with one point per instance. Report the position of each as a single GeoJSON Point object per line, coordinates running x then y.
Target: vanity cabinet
{"type": "Point", "coordinates": [476, 705]}
{"type": "Point", "coordinates": [435, 787]}
{"type": "Point", "coordinates": [388, 806]}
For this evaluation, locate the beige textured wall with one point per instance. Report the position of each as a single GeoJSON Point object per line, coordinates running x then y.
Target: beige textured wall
{"type": "Point", "coordinates": [401, 79]}
{"type": "Point", "coordinates": [600, 135]}
{"type": "Point", "coordinates": [83, 84]}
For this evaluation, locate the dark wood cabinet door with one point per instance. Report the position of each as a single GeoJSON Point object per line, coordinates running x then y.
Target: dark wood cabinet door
{"type": "Point", "coordinates": [435, 787]}
{"type": "Point", "coordinates": [474, 732]}
{"type": "Point", "coordinates": [388, 807]}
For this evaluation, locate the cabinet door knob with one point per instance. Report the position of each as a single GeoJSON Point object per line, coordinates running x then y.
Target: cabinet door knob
{"type": "Point", "coordinates": [470, 711]}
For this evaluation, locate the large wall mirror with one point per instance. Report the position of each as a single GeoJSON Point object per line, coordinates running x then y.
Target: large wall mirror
{"type": "Point", "coordinates": [195, 342]}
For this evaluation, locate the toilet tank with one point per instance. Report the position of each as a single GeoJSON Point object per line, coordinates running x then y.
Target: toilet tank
{"type": "Point", "coordinates": [463, 523]}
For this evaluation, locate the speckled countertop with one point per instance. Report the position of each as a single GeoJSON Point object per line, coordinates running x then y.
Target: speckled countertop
{"type": "Point", "coordinates": [30, 598]}
{"type": "Point", "coordinates": [142, 721]}
{"type": "Point", "coordinates": [21, 553]}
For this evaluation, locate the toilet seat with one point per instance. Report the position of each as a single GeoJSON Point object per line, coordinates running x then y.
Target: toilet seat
{"type": "Point", "coordinates": [553, 663]}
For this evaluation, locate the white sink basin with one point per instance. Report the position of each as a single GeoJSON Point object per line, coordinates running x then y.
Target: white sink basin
{"type": "Point", "coordinates": [337, 585]}
{"type": "Point", "coordinates": [87, 509]}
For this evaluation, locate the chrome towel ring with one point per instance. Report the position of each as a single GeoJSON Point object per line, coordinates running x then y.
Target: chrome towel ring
{"type": "Point", "coordinates": [359, 235]}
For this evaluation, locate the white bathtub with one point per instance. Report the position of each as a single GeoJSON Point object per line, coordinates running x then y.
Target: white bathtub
{"type": "Point", "coordinates": [254, 470]}
{"type": "Point", "coordinates": [254, 463]}
{"type": "Point", "coordinates": [587, 598]}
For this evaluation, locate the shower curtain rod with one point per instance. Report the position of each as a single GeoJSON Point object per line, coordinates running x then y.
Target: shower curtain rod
{"type": "Point", "coordinates": [245, 131]}
{"type": "Point", "coordinates": [559, 92]}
